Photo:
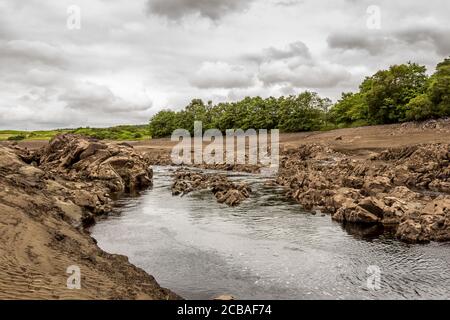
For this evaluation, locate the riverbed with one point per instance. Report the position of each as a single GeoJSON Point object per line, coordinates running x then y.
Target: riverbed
{"type": "Point", "coordinates": [267, 248]}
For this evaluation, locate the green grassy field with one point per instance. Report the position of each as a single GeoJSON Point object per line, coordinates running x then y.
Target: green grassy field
{"type": "Point", "coordinates": [125, 132]}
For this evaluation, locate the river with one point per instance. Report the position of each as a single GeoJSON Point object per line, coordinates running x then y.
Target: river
{"type": "Point", "coordinates": [267, 248]}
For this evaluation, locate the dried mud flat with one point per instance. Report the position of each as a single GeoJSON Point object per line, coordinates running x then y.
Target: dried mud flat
{"type": "Point", "coordinates": [396, 176]}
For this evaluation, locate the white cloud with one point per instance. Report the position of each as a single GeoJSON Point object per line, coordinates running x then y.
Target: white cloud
{"type": "Point", "coordinates": [87, 96]}
{"type": "Point", "coordinates": [126, 59]}
{"type": "Point", "coordinates": [311, 76]}
{"type": "Point", "coordinates": [221, 75]}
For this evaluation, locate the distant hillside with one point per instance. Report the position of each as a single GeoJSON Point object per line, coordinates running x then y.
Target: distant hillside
{"type": "Point", "coordinates": [123, 132]}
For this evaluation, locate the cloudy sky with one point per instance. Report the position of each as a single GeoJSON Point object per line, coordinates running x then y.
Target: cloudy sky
{"type": "Point", "coordinates": [130, 59]}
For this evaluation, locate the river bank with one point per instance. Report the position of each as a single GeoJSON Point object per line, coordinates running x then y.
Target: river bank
{"type": "Point", "coordinates": [51, 192]}
{"type": "Point", "coordinates": [47, 199]}
{"type": "Point", "coordinates": [267, 247]}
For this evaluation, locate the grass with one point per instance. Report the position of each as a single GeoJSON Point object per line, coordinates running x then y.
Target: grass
{"type": "Point", "coordinates": [125, 132]}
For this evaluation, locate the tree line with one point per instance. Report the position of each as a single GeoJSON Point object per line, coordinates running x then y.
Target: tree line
{"type": "Point", "coordinates": [401, 93]}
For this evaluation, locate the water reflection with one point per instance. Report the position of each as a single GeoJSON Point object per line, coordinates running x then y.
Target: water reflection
{"type": "Point", "coordinates": [267, 248]}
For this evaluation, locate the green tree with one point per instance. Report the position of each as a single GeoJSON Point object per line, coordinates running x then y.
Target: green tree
{"type": "Point", "coordinates": [389, 91]}
{"type": "Point", "coordinates": [420, 108]}
{"type": "Point", "coordinates": [300, 113]}
{"type": "Point", "coordinates": [439, 88]}
{"type": "Point", "coordinates": [350, 108]}
{"type": "Point", "coordinates": [163, 124]}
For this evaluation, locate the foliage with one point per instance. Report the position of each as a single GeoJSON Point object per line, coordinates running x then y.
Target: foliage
{"type": "Point", "coordinates": [17, 138]}
{"type": "Point", "coordinates": [401, 93]}
{"type": "Point", "coordinates": [126, 132]}
{"type": "Point", "coordinates": [389, 91]}
{"type": "Point", "coordinates": [420, 108]}
{"type": "Point", "coordinates": [439, 89]}
{"type": "Point", "coordinates": [304, 112]}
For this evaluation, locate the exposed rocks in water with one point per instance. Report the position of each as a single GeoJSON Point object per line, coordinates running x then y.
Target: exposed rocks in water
{"type": "Point", "coordinates": [407, 188]}
{"type": "Point", "coordinates": [224, 190]}
{"type": "Point", "coordinates": [162, 158]}
{"type": "Point", "coordinates": [44, 209]}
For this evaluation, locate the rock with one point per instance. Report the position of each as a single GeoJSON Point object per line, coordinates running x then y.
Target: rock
{"type": "Point", "coordinates": [439, 186]}
{"type": "Point", "coordinates": [376, 190]}
{"type": "Point", "coordinates": [224, 297]}
{"type": "Point", "coordinates": [372, 205]}
{"type": "Point", "coordinates": [376, 185]}
{"type": "Point", "coordinates": [356, 214]}
{"type": "Point", "coordinates": [43, 213]}
{"type": "Point", "coordinates": [78, 158]}
{"type": "Point", "coordinates": [225, 191]}
{"type": "Point", "coordinates": [412, 232]}
{"type": "Point", "coordinates": [353, 182]}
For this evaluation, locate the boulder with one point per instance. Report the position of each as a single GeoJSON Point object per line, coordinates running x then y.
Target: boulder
{"type": "Point", "coordinates": [225, 191]}
{"type": "Point", "coordinates": [118, 167]}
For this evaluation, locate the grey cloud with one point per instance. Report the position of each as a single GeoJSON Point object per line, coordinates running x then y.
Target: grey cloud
{"type": "Point", "coordinates": [296, 67]}
{"type": "Point", "coordinates": [32, 52]}
{"type": "Point", "coordinates": [303, 76]}
{"type": "Point", "coordinates": [129, 59]}
{"type": "Point", "coordinates": [378, 43]}
{"type": "Point", "coordinates": [289, 3]}
{"type": "Point", "coordinates": [438, 38]}
{"type": "Point", "coordinates": [372, 43]}
{"type": "Point", "coordinates": [296, 49]}
{"type": "Point", "coordinates": [221, 75]}
{"type": "Point", "coordinates": [87, 96]}
{"type": "Point", "coordinates": [212, 9]}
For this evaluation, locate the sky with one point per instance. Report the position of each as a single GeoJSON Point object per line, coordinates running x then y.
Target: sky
{"type": "Point", "coordinates": [66, 64]}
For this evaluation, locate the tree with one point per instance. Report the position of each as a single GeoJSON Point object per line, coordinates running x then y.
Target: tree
{"type": "Point", "coordinates": [389, 91]}
{"type": "Point", "coordinates": [439, 88]}
{"type": "Point", "coordinates": [163, 124]}
{"type": "Point", "coordinates": [300, 113]}
{"type": "Point", "coordinates": [420, 108]}
{"type": "Point", "coordinates": [350, 108]}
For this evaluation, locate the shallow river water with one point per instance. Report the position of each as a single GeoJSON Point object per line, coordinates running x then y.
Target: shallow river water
{"type": "Point", "coordinates": [267, 248]}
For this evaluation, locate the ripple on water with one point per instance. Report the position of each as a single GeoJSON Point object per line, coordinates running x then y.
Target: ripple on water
{"type": "Point", "coordinates": [267, 248]}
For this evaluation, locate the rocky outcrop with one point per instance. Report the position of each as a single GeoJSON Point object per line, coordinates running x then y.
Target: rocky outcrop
{"type": "Point", "coordinates": [162, 158]}
{"type": "Point", "coordinates": [116, 166]}
{"type": "Point", "coordinates": [225, 191]}
{"type": "Point", "coordinates": [405, 188]}
{"type": "Point", "coordinates": [46, 200]}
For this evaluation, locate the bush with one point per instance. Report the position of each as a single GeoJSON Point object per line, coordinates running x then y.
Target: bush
{"type": "Point", "coordinates": [420, 108]}
{"type": "Point", "coordinates": [17, 137]}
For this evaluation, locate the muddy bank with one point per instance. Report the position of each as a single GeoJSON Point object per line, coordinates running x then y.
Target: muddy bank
{"type": "Point", "coordinates": [47, 198]}
{"type": "Point", "coordinates": [402, 188]}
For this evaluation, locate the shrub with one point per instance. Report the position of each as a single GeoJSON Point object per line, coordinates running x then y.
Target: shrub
{"type": "Point", "coordinates": [17, 137]}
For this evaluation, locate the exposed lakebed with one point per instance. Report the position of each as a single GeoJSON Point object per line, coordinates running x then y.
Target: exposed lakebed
{"type": "Point", "coordinates": [267, 248]}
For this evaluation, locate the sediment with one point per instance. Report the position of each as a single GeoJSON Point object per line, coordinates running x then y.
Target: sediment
{"type": "Point", "coordinates": [47, 199]}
